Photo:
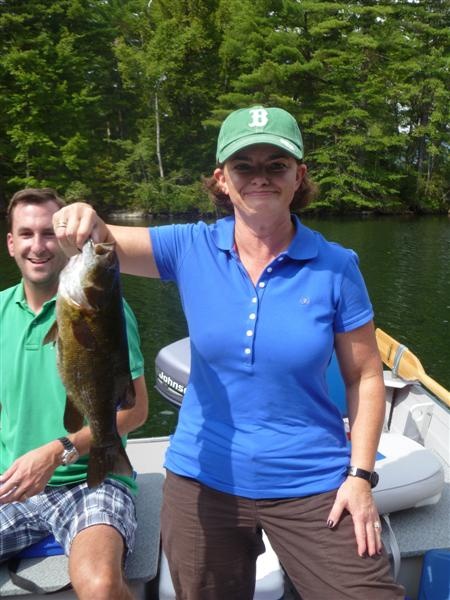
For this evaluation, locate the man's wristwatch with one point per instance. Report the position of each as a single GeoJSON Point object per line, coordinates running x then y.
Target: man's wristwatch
{"type": "Point", "coordinates": [370, 476]}
{"type": "Point", "coordinates": [70, 453]}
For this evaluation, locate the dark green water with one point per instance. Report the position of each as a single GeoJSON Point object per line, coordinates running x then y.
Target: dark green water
{"type": "Point", "coordinates": [406, 265]}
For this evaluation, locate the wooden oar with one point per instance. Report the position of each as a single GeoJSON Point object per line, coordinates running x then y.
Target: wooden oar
{"type": "Point", "coordinates": [406, 365]}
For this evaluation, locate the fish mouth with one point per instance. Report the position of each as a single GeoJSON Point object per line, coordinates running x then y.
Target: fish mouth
{"type": "Point", "coordinates": [91, 248]}
{"type": "Point", "coordinates": [104, 247]}
{"type": "Point", "coordinates": [98, 251]}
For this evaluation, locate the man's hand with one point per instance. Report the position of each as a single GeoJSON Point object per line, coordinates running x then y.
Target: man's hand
{"type": "Point", "coordinates": [29, 474]}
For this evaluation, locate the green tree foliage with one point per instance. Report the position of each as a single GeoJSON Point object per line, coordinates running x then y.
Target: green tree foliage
{"type": "Point", "coordinates": [171, 70]}
{"type": "Point", "coordinates": [61, 97]}
{"type": "Point", "coordinates": [358, 77]}
{"type": "Point", "coordinates": [119, 101]}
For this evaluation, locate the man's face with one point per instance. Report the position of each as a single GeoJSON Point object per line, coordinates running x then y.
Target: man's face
{"type": "Point", "coordinates": [32, 244]}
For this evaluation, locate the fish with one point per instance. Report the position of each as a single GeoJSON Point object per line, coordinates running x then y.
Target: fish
{"type": "Point", "coordinates": [92, 355]}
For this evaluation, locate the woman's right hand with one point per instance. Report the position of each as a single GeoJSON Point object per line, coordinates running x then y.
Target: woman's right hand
{"type": "Point", "coordinates": [75, 224]}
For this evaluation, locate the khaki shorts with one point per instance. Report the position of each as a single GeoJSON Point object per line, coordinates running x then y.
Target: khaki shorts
{"type": "Point", "coordinates": [212, 541]}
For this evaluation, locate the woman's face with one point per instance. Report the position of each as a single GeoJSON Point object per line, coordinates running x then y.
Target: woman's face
{"type": "Point", "coordinates": [260, 179]}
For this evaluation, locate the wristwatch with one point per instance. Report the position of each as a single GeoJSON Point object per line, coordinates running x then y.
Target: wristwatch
{"type": "Point", "coordinates": [70, 453]}
{"type": "Point", "coordinates": [370, 476]}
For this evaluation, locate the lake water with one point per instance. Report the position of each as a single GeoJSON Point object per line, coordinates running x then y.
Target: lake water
{"type": "Point", "coordinates": [406, 265]}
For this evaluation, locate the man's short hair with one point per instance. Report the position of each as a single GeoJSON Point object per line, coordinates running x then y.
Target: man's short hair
{"type": "Point", "coordinates": [32, 196]}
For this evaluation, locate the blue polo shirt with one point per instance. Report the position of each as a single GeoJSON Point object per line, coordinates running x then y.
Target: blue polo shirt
{"type": "Point", "coordinates": [256, 420]}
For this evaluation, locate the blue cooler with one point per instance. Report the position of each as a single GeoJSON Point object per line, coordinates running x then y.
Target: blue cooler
{"type": "Point", "coordinates": [435, 578]}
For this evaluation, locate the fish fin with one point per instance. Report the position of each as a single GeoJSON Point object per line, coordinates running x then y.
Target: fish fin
{"type": "Point", "coordinates": [52, 334]}
{"type": "Point", "coordinates": [73, 419]}
{"type": "Point", "coordinates": [129, 398]}
{"type": "Point", "coordinates": [83, 334]}
{"type": "Point", "coordinates": [95, 295]}
{"type": "Point", "coordinates": [107, 459]}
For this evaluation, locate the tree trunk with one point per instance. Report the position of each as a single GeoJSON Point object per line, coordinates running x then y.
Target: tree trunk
{"type": "Point", "coordinates": [158, 148]}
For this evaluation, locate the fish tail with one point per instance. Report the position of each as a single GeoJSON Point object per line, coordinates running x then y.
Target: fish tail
{"type": "Point", "coordinates": [104, 460]}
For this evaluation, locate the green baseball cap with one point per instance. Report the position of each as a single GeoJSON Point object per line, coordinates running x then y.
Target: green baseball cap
{"type": "Point", "coordinates": [259, 125]}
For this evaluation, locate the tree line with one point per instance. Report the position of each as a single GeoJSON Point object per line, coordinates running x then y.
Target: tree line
{"type": "Point", "coordinates": [119, 101]}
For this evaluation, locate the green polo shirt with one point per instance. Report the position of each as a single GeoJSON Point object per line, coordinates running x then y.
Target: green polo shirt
{"type": "Point", "coordinates": [32, 396]}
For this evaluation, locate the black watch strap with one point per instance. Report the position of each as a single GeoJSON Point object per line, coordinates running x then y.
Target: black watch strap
{"type": "Point", "coordinates": [370, 476]}
{"type": "Point", "coordinates": [67, 444]}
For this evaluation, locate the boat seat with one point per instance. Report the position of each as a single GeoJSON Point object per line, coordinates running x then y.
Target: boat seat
{"type": "Point", "coordinates": [411, 476]}
{"type": "Point", "coordinates": [50, 572]}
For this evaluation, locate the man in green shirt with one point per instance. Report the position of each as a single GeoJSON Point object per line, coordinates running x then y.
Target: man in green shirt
{"type": "Point", "coordinates": [43, 469]}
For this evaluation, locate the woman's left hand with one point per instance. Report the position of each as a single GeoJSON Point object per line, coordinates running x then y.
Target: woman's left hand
{"type": "Point", "coordinates": [355, 496]}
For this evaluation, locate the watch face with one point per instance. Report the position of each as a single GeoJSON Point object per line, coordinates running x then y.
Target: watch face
{"type": "Point", "coordinates": [69, 456]}
{"type": "Point", "coordinates": [374, 479]}
{"type": "Point", "coordinates": [70, 453]}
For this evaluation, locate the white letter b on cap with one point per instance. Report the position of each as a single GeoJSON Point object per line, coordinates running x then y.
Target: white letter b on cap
{"type": "Point", "coordinates": [259, 117]}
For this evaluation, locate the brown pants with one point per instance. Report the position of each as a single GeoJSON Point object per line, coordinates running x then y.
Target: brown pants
{"type": "Point", "coordinates": [212, 541]}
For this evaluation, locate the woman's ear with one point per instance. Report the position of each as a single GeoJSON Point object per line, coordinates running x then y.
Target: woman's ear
{"type": "Point", "coordinates": [301, 172]}
{"type": "Point", "coordinates": [219, 176]}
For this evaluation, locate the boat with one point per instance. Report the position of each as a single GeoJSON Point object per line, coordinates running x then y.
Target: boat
{"type": "Point", "coordinates": [413, 495]}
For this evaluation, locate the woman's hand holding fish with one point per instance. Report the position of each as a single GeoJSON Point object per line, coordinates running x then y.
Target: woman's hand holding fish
{"type": "Point", "coordinates": [75, 224]}
{"type": "Point", "coordinates": [29, 474]}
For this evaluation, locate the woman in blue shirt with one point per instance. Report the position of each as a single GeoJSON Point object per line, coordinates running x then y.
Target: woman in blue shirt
{"type": "Point", "coordinates": [259, 443]}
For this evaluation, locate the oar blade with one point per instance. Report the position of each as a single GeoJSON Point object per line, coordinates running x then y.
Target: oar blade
{"type": "Point", "coordinates": [409, 366]}
{"type": "Point", "coordinates": [406, 365]}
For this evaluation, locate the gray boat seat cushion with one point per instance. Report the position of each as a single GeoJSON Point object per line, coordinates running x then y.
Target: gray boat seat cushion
{"type": "Point", "coordinates": [410, 475]}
